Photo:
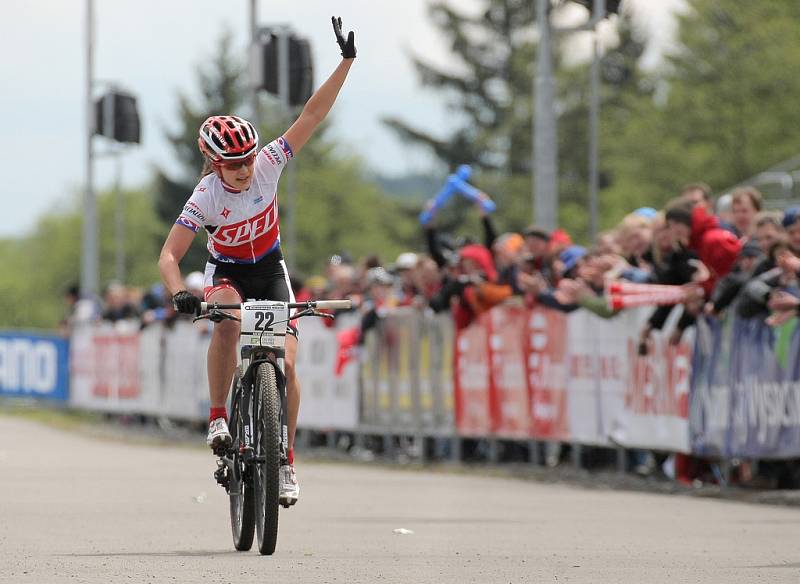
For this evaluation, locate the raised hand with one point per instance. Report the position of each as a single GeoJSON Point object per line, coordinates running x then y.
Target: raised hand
{"type": "Point", "coordinates": [348, 46]}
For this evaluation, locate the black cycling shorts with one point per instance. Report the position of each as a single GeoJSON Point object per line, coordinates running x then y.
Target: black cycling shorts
{"type": "Point", "coordinates": [267, 279]}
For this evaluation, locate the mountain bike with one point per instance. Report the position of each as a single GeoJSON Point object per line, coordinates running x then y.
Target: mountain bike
{"type": "Point", "coordinates": [249, 468]}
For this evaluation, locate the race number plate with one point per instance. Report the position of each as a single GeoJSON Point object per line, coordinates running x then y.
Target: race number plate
{"type": "Point", "coordinates": [264, 323]}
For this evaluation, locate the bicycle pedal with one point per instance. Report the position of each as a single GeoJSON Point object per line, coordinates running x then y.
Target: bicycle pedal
{"type": "Point", "coordinates": [221, 476]}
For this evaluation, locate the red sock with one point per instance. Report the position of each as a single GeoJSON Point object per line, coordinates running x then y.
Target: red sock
{"type": "Point", "coordinates": [218, 413]}
{"type": "Point", "coordinates": [290, 456]}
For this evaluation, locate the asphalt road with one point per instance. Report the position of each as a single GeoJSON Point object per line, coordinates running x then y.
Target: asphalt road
{"type": "Point", "coordinates": [79, 509]}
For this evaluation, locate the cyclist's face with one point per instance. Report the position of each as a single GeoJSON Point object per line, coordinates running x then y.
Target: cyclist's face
{"type": "Point", "coordinates": [239, 178]}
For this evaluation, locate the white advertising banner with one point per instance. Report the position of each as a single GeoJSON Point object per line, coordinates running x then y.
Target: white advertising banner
{"type": "Point", "coordinates": [107, 369]}
{"type": "Point", "coordinates": [327, 367]}
{"type": "Point", "coordinates": [617, 396]}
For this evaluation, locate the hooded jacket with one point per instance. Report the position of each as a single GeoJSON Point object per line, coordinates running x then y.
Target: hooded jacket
{"type": "Point", "coordinates": [717, 248]}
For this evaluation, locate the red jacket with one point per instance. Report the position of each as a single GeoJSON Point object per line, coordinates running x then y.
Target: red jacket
{"type": "Point", "coordinates": [717, 248]}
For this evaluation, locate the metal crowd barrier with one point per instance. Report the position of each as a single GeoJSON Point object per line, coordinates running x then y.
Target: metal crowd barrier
{"type": "Point", "coordinates": [516, 374]}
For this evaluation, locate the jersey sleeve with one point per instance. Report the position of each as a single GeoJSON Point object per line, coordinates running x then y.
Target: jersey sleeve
{"type": "Point", "coordinates": [195, 210]}
{"type": "Point", "coordinates": [275, 155]}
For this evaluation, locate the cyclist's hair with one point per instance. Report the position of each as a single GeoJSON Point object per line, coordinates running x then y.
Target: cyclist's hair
{"type": "Point", "coordinates": [208, 167]}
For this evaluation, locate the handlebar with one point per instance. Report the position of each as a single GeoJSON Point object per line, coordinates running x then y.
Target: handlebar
{"type": "Point", "coordinates": [311, 304]}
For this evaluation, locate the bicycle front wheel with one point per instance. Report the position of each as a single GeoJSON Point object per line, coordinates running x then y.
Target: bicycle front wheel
{"type": "Point", "coordinates": [268, 451]}
{"type": "Point", "coordinates": [241, 487]}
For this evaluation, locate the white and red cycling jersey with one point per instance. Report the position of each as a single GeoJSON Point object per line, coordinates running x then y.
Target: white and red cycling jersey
{"type": "Point", "coordinates": [242, 226]}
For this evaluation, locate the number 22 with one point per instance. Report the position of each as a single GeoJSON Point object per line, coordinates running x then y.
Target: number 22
{"type": "Point", "coordinates": [264, 320]}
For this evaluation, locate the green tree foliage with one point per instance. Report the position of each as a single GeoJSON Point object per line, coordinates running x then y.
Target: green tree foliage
{"type": "Point", "coordinates": [40, 267]}
{"type": "Point", "coordinates": [489, 85]}
{"type": "Point", "coordinates": [724, 109]}
{"type": "Point", "coordinates": [492, 93]}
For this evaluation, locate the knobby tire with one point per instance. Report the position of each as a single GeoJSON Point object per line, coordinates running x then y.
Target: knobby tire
{"type": "Point", "coordinates": [269, 446]}
{"type": "Point", "coordinates": [242, 505]}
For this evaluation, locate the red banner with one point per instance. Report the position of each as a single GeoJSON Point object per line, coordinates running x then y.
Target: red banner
{"type": "Point", "coordinates": [659, 383]}
{"type": "Point", "coordinates": [116, 360]}
{"type": "Point", "coordinates": [472, 378]}
{"type": "Point", "coordinates": [546, 366]}
{"type": "Point", "coordinates": [509, 398]}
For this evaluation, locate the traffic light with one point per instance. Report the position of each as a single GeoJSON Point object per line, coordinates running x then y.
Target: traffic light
{"type": "Point", "coordinates": [268, 66]}
{"type": "Point", "coordinates": [612, 6]}
{"type": "Point", "coordinates": [117, 117]}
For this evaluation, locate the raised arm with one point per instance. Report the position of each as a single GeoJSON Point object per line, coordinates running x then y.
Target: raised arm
{"type": "Point", "coordinates": [318, 106]}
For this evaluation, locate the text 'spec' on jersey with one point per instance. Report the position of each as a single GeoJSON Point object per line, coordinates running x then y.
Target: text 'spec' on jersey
{"type": "Point", "coordinates": [242, 226]}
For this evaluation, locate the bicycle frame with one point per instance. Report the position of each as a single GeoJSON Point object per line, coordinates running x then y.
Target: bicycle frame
{"type": "Point", "coordinates": [251, 355]}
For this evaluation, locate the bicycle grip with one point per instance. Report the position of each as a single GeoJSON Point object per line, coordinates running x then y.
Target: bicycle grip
{"type": "Point", "coordinates": [333, 304]}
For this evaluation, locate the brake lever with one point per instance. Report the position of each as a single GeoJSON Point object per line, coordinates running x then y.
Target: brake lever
{"type": "Point", "coordinates": [217, 316]}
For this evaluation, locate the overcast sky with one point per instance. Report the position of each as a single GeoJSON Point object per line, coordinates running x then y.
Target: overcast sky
{"type": "Point", "coordinates": [152, 47]}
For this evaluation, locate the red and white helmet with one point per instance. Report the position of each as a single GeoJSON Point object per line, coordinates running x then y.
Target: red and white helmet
{"type": "Point", "coordinates": [225, 138]}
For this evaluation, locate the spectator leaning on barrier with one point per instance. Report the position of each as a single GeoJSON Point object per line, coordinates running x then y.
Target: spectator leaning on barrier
{"type": "Point", "coordinates": [536, 249]}
{"type": "Point", "coordinates": [116, 305]}
{"type": "Point", "coordinates": [754, 297]}
{"type": "Point", "coordinates": [746, 202]}
{"type": "Point", "coordinates": [729, 287]}
{"type": "Point", "coordinates": [405, 267]}
{"type": "Point", "coordinates": [673, 265]}
{"type": "Point", "coordinates": [694, 228]}
{"type": "Point", "coordinates": [791, 223]}
{"type": "Point", "coordinates": [378, 299]}
{"type": "Point", "coordinates": [474, 289]}
{"type": "Point", "coordinates": [634, 235]}
{"type": "Point", "coordinates": [698, 194]}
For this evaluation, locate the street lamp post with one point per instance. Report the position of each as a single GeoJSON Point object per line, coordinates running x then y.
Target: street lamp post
{"type": "Point", "coordinates": [545, 143]}
{"type": "Point", "coordinates": [89, 256]}
{"type": "Point", "coordinates": [594, 119]}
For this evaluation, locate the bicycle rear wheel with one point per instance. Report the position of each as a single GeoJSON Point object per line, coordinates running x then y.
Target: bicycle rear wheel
{"type": "Point", "coordinates": [241, 487]}
{"type": "Point", "coordinates": [268, 449]}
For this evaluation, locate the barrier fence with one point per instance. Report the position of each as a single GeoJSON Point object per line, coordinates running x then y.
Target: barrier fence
{"type": "Point", "coordinates": [730, 390]}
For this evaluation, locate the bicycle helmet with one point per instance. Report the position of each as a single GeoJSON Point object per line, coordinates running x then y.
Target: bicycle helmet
{"type": "Point", "coordinates": [224, 138]}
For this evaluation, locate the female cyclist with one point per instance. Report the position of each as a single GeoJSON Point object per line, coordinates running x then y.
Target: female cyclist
{"type": "Point", "coordinates": [235, 202]}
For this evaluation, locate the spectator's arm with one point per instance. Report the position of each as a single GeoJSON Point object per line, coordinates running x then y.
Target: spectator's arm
{"type": "Point", "coordinates": [754, 297]}
{"type": "Point", "coordinates": [659, 317]}
{"type": "Point", "coordinates": [597, 305]}
{"type": "Point", "coordinates": [434, 249]}
{"type": "Point", "coordinates": [727, 290]}
{"type": "Point", "coordinates": [548, 299]}
{"type": "Point", "coordinates": [489, 233]}
{"type": "Point", "coordinates": [440, 301]}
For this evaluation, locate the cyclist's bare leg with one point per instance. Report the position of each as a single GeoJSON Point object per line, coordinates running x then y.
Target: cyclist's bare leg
{"type": "Point", "coordinates": [222, 350]}
{"type": "Point", "coordinates": [292, 387]}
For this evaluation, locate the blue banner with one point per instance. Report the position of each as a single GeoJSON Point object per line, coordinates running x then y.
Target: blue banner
{"type": "Point", "coordinates": [745, 399]}
{"type": "Point", "coordinates": [34, 366]}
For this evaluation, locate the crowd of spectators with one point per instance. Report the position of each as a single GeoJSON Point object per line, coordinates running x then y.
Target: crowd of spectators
{"type": "Point", "coordinates": [727, 256]}
{"type": "Point", "coordinates": [730, 257]}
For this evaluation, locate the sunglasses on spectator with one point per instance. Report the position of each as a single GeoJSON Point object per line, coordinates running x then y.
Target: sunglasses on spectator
{"type": "Point", "coordinates": [239, 163]}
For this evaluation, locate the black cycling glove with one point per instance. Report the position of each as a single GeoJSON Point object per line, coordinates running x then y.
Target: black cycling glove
{"type": "Point", "coordinates": [348, 46]}
{"type": "Point", "coordinates": [186, 302]}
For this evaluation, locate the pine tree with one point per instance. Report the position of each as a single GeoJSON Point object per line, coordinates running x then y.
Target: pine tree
{"type": "Point", "coordinates": [725, 110]}
{"type": "Point", "coordinates": [495, 50]}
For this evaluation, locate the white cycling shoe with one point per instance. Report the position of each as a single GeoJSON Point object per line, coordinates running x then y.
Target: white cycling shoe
{"type": "Point", "coordinates": [218, 434]}
{"type": "Point", "coordinates": [289, 488]}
